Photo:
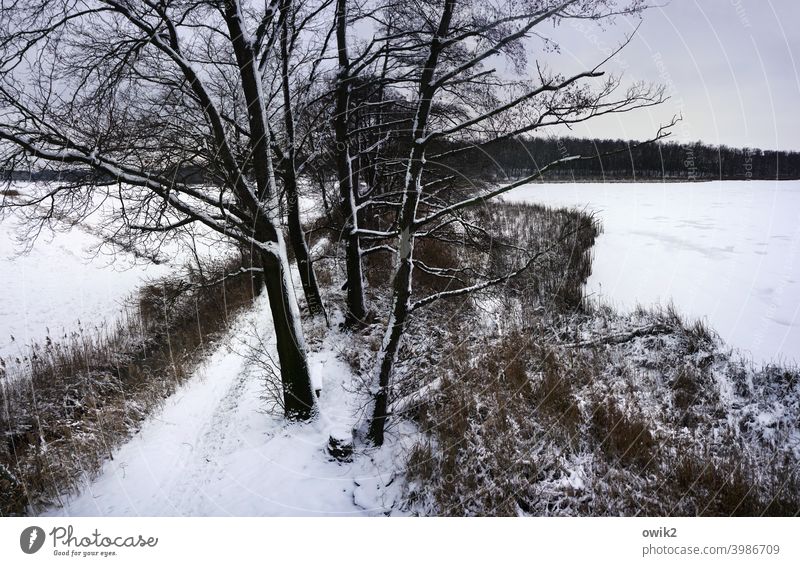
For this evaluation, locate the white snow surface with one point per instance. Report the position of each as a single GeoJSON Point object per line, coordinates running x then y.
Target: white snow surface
{"type": "Point", "coordinates": [725, 251]}
{"type": "Point", "coordinates": [213, 451]}
{"type": "Point", "coordinates": [59, 284]}
{"type": "Point", "coordinates": [63, 285]}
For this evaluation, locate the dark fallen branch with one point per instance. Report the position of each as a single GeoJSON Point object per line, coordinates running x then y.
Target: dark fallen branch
{"type": "Point", "coordinates": [621, 337]}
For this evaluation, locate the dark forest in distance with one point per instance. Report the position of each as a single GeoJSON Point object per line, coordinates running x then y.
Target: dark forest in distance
{"type": "Point", "coordinates": [625, 160]}
{"type": "Point", "coordinates": [616, 160]}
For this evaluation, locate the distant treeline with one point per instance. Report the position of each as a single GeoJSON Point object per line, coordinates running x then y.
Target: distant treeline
{"type": "Point", "coordinates": [613, 160]}
{"type": "Point", "coordinates": [619, 159]}
{"type": "Point", "coordinates": [192, 175]}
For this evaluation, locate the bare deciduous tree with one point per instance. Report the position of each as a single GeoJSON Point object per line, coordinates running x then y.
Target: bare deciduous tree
{"type": "Point", "coordinates": [293, 22]}
{"type": "Point", "coordinates": [458, 39]}
{"type": "Point", "coordinates": [130, 94]}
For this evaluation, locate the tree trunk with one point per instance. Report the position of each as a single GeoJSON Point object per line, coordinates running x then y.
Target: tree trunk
{"type": "Point", "coordinates": [391, 341]}
{"type": "Point", "coordinates": [298, 396]}
{"type": "Point", "coordinates": [297, 237]}
{"type": "Point", "coordinates": [356, 309]}
{"type": "Point", "coordinates": [257, 279]}
{"type": "Point", "coordinates": [299, 400]}
{"type": "Point", "coordinates": [401, 294]}
{"type": "Point", "coordinates": [324, 192]}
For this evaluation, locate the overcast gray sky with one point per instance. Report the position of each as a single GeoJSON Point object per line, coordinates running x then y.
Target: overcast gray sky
{"type": "Point", "coordinates": [731, 67]}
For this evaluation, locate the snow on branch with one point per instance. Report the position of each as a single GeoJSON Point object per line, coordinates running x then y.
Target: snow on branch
{"type": "Point", "coordinates": [476, 287]}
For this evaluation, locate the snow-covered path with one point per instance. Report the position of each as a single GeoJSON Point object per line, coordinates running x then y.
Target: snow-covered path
{"type": "Point", "coordinates": [213, 450]}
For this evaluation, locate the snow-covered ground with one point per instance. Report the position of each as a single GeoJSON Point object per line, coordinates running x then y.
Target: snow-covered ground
{"type": "Point", "coordinates": [728, 252]}
{"type": "Point", "coordinates": [213, 450]}
{"type": "Point", "coordinates": [58, 284]}
{"type": "Point", "coordinates": [63, 284]}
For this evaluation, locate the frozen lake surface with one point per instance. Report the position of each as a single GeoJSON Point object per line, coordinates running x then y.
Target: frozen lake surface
{"type": "Point", "coordinates": [726, 251]}
{"type": "Point", "coordinates": [59, 284]}
{"type": "Point", "coordinates": [63, 285]}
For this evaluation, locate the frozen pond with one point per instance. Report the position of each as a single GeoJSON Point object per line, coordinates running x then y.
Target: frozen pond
{"type": "Point", "coordinates": [723, 251]}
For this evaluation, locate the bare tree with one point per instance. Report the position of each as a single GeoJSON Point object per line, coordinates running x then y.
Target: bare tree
{"type": "Point", "coordinates": [458, 39]}
{"type": "Point", "coordinates": [363, 123]}
{"type": "Point", "coordinates": [128, 95]}
{"type": "Point", "coordinates": [347, 178]}
{"type": "Point", "coordinates": [293, 22]}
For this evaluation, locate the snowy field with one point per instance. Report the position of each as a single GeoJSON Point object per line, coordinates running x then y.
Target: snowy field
{"type": "Point", "coordinates": [727, 252]}
{"type": "Point", "coordinates": [58, 284]}
{"type": "Point", "coordinates": [62, 285]}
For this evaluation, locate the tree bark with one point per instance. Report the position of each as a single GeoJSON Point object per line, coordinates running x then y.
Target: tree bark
{"type": "Point", "coordinates": [356, 309]}
{"type": "Point", "coordinates": [298, 396]}
{"type": "Point", "coordinates": [391, 342]}
{"type": "Point", "coordinates": [297, 237]}
{"type": "Point", "coordinates": [299, 400]}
